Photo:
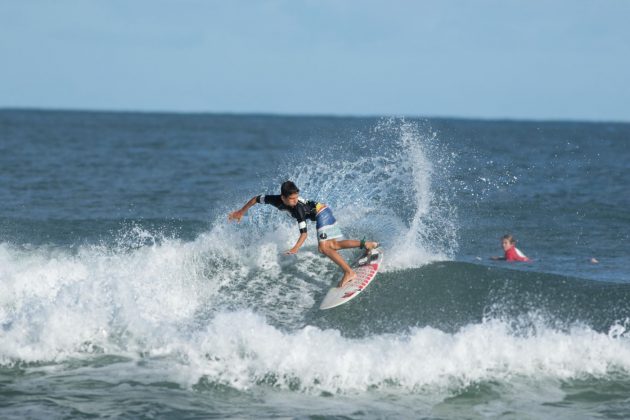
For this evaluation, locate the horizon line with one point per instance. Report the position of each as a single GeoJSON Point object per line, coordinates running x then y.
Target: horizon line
{"type": "Point", "coordinates": [271, 114]}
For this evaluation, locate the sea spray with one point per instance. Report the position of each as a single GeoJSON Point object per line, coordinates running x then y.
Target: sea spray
{"type": "Point", "coordinates": [389, 184]}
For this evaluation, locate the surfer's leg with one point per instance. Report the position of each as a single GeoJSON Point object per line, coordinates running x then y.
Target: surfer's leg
{"type": "Point", "coordinates": [328, 249]}
{"type": "Point", "coordinates": [350, 243]}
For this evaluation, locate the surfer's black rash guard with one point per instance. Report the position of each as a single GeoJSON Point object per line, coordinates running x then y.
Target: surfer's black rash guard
{"type": "Point", "coordinates": [302, 211]}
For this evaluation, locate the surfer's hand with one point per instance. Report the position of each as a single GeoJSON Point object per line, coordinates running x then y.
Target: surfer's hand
{"type": "Point", "coordinates": [236, 215]}
{"type": "Point", "coordinates": [292, 251]}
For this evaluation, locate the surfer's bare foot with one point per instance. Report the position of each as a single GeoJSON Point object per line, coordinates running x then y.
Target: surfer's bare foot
{"type": "Point", "coordinates": [347, 277]}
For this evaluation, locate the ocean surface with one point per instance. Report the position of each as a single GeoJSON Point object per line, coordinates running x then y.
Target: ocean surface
{"type": "Point", "coordinates": [125, 293]}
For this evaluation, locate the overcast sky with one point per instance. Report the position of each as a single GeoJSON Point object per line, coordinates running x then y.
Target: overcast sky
{"type": "Point", "coordinates": [565, 59]}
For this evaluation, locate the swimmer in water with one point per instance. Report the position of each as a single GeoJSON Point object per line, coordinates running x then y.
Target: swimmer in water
{"type": "Point", "coordinates": [512, 253]}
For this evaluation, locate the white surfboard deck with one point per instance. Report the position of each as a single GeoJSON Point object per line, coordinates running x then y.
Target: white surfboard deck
{"type": "Point", "coordinates": [366, 268]}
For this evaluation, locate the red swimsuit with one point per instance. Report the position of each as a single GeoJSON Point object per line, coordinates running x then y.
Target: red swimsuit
{"type": "Point", "coordinates": [514, 254]}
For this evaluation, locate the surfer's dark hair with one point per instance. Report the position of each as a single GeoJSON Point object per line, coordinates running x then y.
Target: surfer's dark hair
{"type": "Point", "coordinates": [288, 187]}
{"type": "Point", "coordinates": [510, 238]}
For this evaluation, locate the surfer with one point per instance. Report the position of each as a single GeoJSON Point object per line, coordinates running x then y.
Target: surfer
{"type": "Point", "coordinates": [328, 233]}
{"type": "Point", "coordinates": [512, 253]}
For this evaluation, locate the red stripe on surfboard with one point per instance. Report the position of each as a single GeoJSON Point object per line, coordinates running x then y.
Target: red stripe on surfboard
{"type": "Point", "coordinates": [369, 276]}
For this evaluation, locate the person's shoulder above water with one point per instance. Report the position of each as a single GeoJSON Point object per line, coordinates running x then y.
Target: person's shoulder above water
{"type": "Point", "coordinates": [274, 200]}
{"type": "Point", "coordinates": [515, 254]}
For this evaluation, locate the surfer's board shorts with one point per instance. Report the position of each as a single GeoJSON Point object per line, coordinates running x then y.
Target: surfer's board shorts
{"type": "Point", "coordinates": [327, 228]}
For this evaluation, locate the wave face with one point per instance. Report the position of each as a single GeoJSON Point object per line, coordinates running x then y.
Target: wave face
{"type": "Point", "coordinates": [246, 319]}
{"type": "Point", "coordinates": [193, 316]}
{"type": "Point", "coordinates": [213, 320]}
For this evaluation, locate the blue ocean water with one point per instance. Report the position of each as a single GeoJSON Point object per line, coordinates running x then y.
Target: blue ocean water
{"type": "Point", "coordinates": [125, 292]}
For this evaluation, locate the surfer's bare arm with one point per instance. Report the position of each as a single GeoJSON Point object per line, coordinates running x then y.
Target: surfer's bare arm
{"type": "Point", "coordinates": [298, 244]}
{"type": "Point", "coordinates": [238, 214]}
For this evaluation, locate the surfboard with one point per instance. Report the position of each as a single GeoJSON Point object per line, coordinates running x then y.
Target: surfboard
{"type": "Point", "coordinates": [366, 268]}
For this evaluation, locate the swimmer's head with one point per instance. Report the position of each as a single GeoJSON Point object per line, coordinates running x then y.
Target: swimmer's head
{"type": "Point", "coordinates": [289, 193]}
{"type": "Point", "coordinates": [508, 241]}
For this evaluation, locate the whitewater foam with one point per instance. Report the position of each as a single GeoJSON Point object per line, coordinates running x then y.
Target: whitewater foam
{"type": "Point", "coordinates": [54, 300]}
{"type": "Point", "coordinates": [241, 350]}
{"type": "Point", "coordinates": [173, 307]}
{"type": "Point", "coordinates": [312, 359]}
{"type": "Point", "coordinates": [67, 314]}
